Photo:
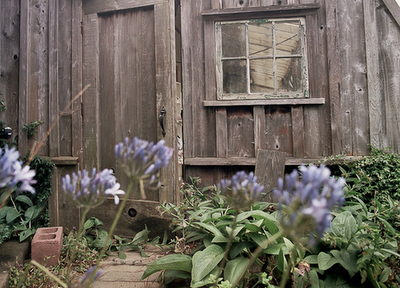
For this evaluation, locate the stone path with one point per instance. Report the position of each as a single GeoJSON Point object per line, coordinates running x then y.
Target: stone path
{"type": "Point", "coordinates": [121, 273]}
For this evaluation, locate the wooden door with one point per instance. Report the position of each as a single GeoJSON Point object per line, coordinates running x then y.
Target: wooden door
{"type": "Point", "coordinates": [129, 61]}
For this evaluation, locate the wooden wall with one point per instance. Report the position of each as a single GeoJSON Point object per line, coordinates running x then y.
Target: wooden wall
{"type": "Point", "coordinates": [357, 89]}
{"type": "Point", "coordinates": [354, 79]}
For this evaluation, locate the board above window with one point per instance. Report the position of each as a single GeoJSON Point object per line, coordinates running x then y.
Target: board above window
{"type": "Point", "coordinates": [261, 59]}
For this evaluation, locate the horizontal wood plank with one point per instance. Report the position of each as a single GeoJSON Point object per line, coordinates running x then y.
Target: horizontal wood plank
{"type": "Point", "coordinates": [266, 102]}
{"type": "Point", "coordinates": [267, 11]}
{"type": "Point", "coordinates": [101, 6]}
{"type": "Point", "coordinates": [251, 161]}
{"type": "Point", "coordinates": [65, 161]}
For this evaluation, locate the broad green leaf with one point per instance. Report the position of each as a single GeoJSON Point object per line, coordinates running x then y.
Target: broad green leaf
{"type": "Point", "coordinates": [311, 259]}
{"type": "Point", "coordinates": [326, 261]}
{"type": "Point", "coordinates": [24, 199]}
{"type": "Point", "coordinates": [344, 225]}
{"type": "Point", "coordinates": [101, 239]}
{"type": "Point", "coordinates": [220, 239]}
{"type": "Point", "coordinates": [4, 211]}
{"type": "Point", "coordinates": [275, 248]}
{"type": "Point", "coordinates": [390, 228]}
{"type": "Point", "coordinates": [282, 263]}
{"type": "Point", "coordinates": [348, 261]}
{"type": "Point", "coordinates": [259, 239]}
{"type": "Point", "coordinates": [12, 214]}
{"type": "Point", "coordinates": [26, 233]}
{"type": "Point", "coordinates": [238, 248]}
{"type": "Point", "coordinates": [121, 255]}
{"type": "Point", "coordinates": [210, 228]}
{"type": "Point", "coordinates": [385, 275]}
{"type": "Point", "coordinates": [32, 212]}
{"type": "Point", "coordinates": [205, 261]}
{"type": "Point", "coordinates": [141, 237]}
{"type": "Point", "coordinates": [235, 232]}
{"type": "Point", "coordinates": [235, 268]}
{"type": "Point", "coordinates": [314, 279]}
{"type": "Point", "coordinates": [88, 224]}
{"type": "Point", "coordinates": [172, 275]}
{"type": "Point", "coordinates": [169, 262]}
{"type": "Point", "coordinates": [206, 281]}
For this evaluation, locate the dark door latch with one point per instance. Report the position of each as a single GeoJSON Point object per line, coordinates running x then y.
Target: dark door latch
{"type": "Point", "coordinates": [161, 120]}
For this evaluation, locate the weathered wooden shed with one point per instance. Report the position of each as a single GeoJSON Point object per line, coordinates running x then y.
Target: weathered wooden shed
{"type": "Point", "coordinates": [310, 78]}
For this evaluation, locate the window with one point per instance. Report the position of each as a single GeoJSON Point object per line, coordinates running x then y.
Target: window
{"type": "Point", "coordinates": [263, 58]}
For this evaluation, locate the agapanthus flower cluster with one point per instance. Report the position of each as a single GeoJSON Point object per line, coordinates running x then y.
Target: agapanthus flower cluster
{"type": "Point", "coordinates": [141, 159]}
{"type": "Point", "coordinates": [242, 190]}
{"type": "Point", "coordinates": [13, 174]}
{"type": "Point", "coordinates": [306, 202]}
{"type": "Point", "coordinates": [90, 190]}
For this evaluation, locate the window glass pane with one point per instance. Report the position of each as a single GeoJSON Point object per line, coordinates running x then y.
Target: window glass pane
{"type": "Point", "coordinates": [289, 74]}
{"type": "Point", "coordinates": [261, 76]}
{"type": "Point", "coordinates": [234, 72]}
{"type": "Point", "coordinates": [233, 40]}
{"type": "Point", "coordinates": [260, 39]}
{"type": "Point", "coordinates": [287, 38]}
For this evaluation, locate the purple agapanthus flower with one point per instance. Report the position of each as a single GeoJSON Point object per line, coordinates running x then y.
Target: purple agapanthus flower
{"type": "Point", "coordinates": [13, 174]}
{"type": "Point", "coordinates": [89, 278]}
{"type": "Point", "coordinates": [306, 202]}
{"type": "Point", "coordinates": [242, 189]}
{"type": "Point", "coordinates": [91, 190]}
{"type": "Point", "coordinates": [141, 159]}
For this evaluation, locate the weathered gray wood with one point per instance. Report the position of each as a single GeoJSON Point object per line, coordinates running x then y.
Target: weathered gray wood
{"type": "Point", "coordinates": [394, 9]}
{"type": "Point", "coordinates": [334, 66]}
{"type": "Point", "coordinates": [278, 129]}
{"type": "Point", "coordinates": [9, 62]}
{"type": "Point", "coordinates": [240, 131]}
{"type": "Point", "coordinates": [222, 132]}
{"type": "Point", "coordinates": [266, 102]}
{"type": "Point", "coordinates": [298, 131]}
{"type": "Point", "coordinates": [102, 6]}
{"type": "Point", "coordinates": [373, 75]}
{"type": "Point", "coordinates": [353, 88]}
{"type": "Point", "coordinates": [260, 137]}
{"type": "Point", "coordinates": [270, 166]}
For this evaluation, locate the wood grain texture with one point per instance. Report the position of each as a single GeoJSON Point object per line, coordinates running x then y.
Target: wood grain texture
{"type": "Point", "coordinates": [270, 166]}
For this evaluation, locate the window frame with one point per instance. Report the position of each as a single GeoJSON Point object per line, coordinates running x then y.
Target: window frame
{"type": "Point", "coordinates": [276, 94]}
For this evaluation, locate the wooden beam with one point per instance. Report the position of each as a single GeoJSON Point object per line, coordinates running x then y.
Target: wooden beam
{"type": "Point", "coordinates": [251, 161]}
{"type": "Point", "coordinates": [394, 9]}
{"type": "Point", "coordinates": [373, 75]}
{"type": "Point", "coordinates": [266, 102]}
{"type": "Point", "coordinates": [267, 11]}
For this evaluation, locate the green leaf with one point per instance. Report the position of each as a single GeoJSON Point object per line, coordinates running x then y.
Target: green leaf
{"type": "Point", "coordinates": [385, 275]}
{"type": "Point", "coordinates": [282, 263]}
{"type": "Point", "coordinates": [26, 233]}
{"type": "Point", "coordinates": [172, 275]}
{"type": "Point", "coordinates": [169, 262]}
{"type": "Point", "coordinates": [4, 211]}
{"type": "Point", "coordinates": [311, 259]}
{"type": "Point", "coordinates": [348, 261]}
{"type": "Point", "coordinates": [32, 212]}
{"type": "Point", "coordinates": [141, 237]}
{"type": "Point", "coordinates": [210, 228]}
{"type": "Point", "coordinates": [88, 224]}
{"type": "Point", "coordinates": [24, 199]}
{"type": "Point", "coordinates": [390, 228]}
{"type": "Point", "coordinates": [326, 261]}
{"type": "Point", "coordinates": [235, 268]}
{"type": "Point", "coordinates": [12, 214]}
{"type": "Point", "coordinates": [121, 255]}
{"type": "Point", "coordinates": [238, 248]}
{"type": "Point", "coordinates": [205, 261]}
{"type": "Point", "coordinates": [344, 226]}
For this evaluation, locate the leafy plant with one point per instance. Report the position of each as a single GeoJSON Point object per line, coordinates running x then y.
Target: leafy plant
{"type": "Point", "coordinates": [30, 127]}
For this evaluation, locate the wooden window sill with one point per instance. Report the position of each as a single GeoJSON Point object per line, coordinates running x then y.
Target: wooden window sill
{"type": "Point", "coordinates": [268, 11]}
{"type": "Point", "coordinates": [266, 102]}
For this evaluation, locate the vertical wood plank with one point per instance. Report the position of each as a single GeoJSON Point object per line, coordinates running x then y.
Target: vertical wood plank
{"type": "Point", "coordinates": [279, 129]}
{"type": "Point", "coordinates": [54, 149]}
{"type": "Point", "coordinates": [259, 128]}
{"type": "Point", "coordinates": [76, 78]}
{"type": "Point", "coordinates": [353, 90]}
{"type": "Point", "coordinates": [270, 166]}
{"type": "Point", "coordinates": [334, 67]}
{"type": "Point", "coordinates": [298, 131]}
{"type": "Point", "coordinates": [373, 76]}
{"type": "Point", "coordinates": [166, 90]}
{"type": "Point", "coordinates": [90, 99]}
{"type": "Point", "coordinates": [240, 132]}
{"type": "Point", "coordinates": [222, 132]}
{"type": "Point", "coordinates": [9, 63]}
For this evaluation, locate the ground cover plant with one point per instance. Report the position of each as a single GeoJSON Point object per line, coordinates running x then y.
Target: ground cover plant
{"type": "Point", "coordinates": [220, 239]}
